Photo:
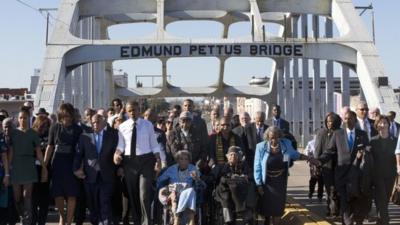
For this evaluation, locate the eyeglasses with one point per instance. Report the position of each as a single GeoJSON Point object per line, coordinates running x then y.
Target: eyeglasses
{"type": "Point", "coordinates": [363, 109]}
{"type": "Point", "coordinates": [224, 125]}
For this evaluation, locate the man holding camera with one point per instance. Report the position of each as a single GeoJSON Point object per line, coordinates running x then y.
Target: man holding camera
{"type": "Point", "coordinates": [347, 148]}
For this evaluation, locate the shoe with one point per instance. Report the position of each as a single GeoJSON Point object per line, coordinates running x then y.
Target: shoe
{"type": "Point", "coordinates": [330, 216]}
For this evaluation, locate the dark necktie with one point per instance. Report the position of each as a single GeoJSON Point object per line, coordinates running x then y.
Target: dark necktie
{"type": "Point", "coordinates": [259, 135]}
{"type": "Point", "coordinates": [392, 133]}
{"type": "Point", "coordinates": [133, 141]}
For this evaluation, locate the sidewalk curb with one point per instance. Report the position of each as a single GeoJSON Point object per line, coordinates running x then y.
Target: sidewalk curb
{"type": "Point", "coordinates": [296, 214]}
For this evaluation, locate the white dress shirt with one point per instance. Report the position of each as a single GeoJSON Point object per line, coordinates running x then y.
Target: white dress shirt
{"type": "Point", "coordinates": [145, 137]}
{"type": "Point", "coordinates": [366, 129]}
{"type": "Point", "coordinates": [310, 148]}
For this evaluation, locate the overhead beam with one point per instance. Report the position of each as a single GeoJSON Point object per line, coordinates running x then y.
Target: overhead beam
{"type": "Point", "coordinates": [99, 52]}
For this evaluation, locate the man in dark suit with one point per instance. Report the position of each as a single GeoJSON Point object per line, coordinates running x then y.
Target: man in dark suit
{"type": "Point", "coordinates": [255, 133]}
{"type": "Point", "coordinates": [94, 163]}
{"type": "Point", "coordinates": [346, 145]}
{"type": "Point", "coordinates": [248, 136]}
{"type": "Point", "coordinates": [259, 126]}
{"type": "Point", "coordinates": [276, 119]}
{"type": "Point", "coordinates": [198, 123]}
{"type": "Point", "coordinates": [363, 122]}
{"type": "Point", "coordinates": [394, 126]}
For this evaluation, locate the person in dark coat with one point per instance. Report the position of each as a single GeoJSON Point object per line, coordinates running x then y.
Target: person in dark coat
{"type": "Point", "coordinates": [198, 123]}
{"type": "Point", "coordinates": [94, 164]}
{"type": "Point", "coordinates": [63, 139]}
{"type": "Point", "coordinates": [383, 148]}
{"type": "Point", "coordinates": [276, 119]}
{"type": "Point", "coordinates": [332, 123]}
{"type": "Point", "coordinates": [255, 132]}
{"type": "Point", "coordinates": [394, 126]}
{"type": "Point", "coordinates": [40, 195]}
{"type": "Point", "coordinates": [220, 142]}
{"type": "Point", "coordinates": [185, 137]}
{"type": "Point", "coordinates": [247, 132]}
{"type": "Point", "coordinates": [347, 145]}
{"type": "Point", "coordinates": [234, 191]}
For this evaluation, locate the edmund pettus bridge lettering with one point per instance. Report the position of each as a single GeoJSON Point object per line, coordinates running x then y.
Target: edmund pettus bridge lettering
{"type": "Point", "coordinates": [186, 50]}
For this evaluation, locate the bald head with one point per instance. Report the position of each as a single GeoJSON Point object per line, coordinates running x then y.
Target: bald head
{"type": "Point", "coordinates": [98, 122]}
{"type": "Point", "coordinates": [150, 115]}
{"type": "Point", "coordinates": [260, 118]}
{"type": "Point", "coordinates": [244, 118]}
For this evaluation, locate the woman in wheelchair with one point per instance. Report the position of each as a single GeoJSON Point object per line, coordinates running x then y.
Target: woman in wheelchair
{"type": "Point", "coordinates": [234, 191]}
{"type": "Point", "coordinates": [178, 186]}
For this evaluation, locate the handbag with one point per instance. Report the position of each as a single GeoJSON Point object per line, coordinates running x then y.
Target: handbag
{"type": "Point", "coordinates": [395, 197]}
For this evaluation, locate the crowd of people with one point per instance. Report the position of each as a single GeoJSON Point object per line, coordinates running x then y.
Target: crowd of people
{"type": "Point", "coordinates": [127, 166]}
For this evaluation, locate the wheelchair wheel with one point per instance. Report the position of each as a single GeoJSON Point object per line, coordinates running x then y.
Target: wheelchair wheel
{"type": "Point", "coordinates": [167, 217]}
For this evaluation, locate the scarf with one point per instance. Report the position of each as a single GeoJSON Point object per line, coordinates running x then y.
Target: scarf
{"type": "Point", "coordinates": [219, 153]}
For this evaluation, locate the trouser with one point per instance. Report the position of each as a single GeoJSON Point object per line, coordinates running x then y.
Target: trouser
{"type": "Point", "coordinates": [383, 190]}
{"type": "Point", "coordinates": [40, 203]}
{"type": "Point", "coordinates": [98, 197]}
{"type": "Point", "coordinates": [355, 210]}
{"type": "Point", "coordinates": [80, 209]}
{"type": "Point", "coordinates": [312, 183]}
{"type": "Point", "coordinates": [116, 201]}
{"type": "Point", "coordinates": [139, 174]}
{"type": "Point", "coordinates": [332, 200]}
{"type": "Point", "coordinates": [9, 215]}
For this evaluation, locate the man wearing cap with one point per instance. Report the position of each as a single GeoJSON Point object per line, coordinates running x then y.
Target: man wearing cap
{"type": "Point", "coordinates": [185, 137]}
{"type": "Point", "coordinates": [140, 152]}
{"type": "Point", "coordinates": [198, 123]}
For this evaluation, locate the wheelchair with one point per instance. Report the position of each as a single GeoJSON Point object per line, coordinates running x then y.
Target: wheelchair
{"type": "Point", "coordinates": [246, 213]}
{"type": "Point", "coordinates": [168, 210]}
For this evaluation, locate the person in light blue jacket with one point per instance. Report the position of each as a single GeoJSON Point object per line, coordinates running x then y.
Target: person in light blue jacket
{"type": "Point", "coordinates": [272, 160]}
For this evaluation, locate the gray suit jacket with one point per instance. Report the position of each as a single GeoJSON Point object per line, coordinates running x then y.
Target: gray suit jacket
{"type": "Point", "coordinates": [338, 150]}
{"type": "Point", "coordinates": [248, 135]}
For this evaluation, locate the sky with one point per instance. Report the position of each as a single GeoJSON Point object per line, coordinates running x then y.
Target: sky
{"type": "Point", "coordinates": [22, 47]}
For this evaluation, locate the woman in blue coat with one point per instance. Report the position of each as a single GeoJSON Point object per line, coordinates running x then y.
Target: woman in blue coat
{"type": "Point", "coordinates": [272, 160]}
